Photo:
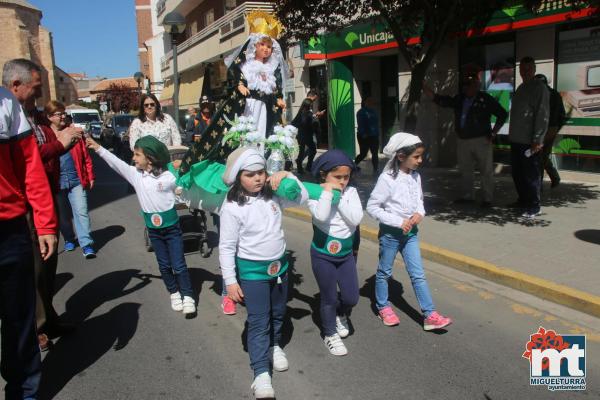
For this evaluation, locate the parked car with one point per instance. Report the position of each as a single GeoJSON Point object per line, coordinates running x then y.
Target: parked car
{"type": "Point", "coordinates": [115, 134]}
{"type": "Point", "coordinates": [94, 128]}
{"type": "Point", "coordinates": [82, 116]}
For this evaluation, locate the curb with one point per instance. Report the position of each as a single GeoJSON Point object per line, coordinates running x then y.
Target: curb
{"type": "Point", "coordinates": [542, 288]}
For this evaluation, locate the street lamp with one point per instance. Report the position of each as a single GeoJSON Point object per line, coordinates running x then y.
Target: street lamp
{"type": "Point", "coordinates": [174, 24]}
{"type": "Point", "coordinates": [139, 77]}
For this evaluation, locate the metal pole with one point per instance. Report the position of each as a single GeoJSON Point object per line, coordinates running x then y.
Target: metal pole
{"type": "Point", "coordinates": [175, 84]}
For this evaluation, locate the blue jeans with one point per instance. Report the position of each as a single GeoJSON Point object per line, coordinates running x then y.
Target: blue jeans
{"type": "Point", "coordinates": [73, 209]}
{"type": "Point", "coordinates": [168, 248]}
{"type": "Point", "coordinates": [389, 245]}
{"type": "Point", "coordinates": [266, 303]}
{"type": "Point", "coordinates": [21, 364]}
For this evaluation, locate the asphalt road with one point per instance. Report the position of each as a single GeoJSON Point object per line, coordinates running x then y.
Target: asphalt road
{"type": "Point", "coordinates": [131, 345]}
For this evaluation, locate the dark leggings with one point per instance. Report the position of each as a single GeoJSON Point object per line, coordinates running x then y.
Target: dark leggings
{"type": "Point", "coordinates": [331, 272]}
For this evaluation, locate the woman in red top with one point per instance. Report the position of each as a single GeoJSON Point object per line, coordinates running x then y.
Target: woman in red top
{"type": "Point", "coordinates": [75, 178]}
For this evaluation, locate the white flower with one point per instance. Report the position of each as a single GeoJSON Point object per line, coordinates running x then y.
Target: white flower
{"type": "Point", "coordinates": [289, 142]}
{"type": "Point", "coordinates": [241, 120]}
{"type": "Point", "coordinates": [278, 129]}
{"type": "Point", "coordinates": [272, 139]}
{"type": "Point", "coordinates": [291, 129]}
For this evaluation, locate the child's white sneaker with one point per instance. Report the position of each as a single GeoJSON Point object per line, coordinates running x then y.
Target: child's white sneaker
{"type": "Point", "coordinates": [189, 305]}
{"type": "Point", "coordinates": [176, 301]}
{"type": "Point", "coordinates": [335, 345]}
{"type": "Point", "coordinates": [280, 362]}
{"type": "Point", "coordinates": [262, 386]}
{"type": "Point", "coordinates": [341, 326]}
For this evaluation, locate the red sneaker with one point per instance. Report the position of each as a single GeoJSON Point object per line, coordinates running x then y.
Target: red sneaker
{"type": "Point", "coordinates": [388, 316]}
{"type": "Point", "coordinates": [228, 306]}
{"type": "Point", "coordinates": [436, 321]}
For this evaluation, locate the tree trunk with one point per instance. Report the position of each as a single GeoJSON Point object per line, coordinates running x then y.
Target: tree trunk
{"type": "Point", "coordinates": [417, 76]}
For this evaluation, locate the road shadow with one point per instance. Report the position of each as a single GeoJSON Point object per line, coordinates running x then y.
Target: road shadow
{"type": "Point", "coordinates": [71, 355]}
{"type": "Point", "coordinates": [200, 276]}
{"type": "Point", "coordinates": [104, 235]}
{"type": "Point", "coordinates": [588, 235]}
{"type": "Point", "coordinates": [61, 280]}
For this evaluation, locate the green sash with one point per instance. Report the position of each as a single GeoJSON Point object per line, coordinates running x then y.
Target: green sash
{"type": "Point", "coordinates": [383, 228]}
{"type": "Point", "coordinates": [252, 270]}
{"type": "Point", "coordinates": [332, 246]}
{"type": "Point", "coordinates": [160, 219]}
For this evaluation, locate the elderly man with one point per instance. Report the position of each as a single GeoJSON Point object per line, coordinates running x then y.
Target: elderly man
{"type": "Point", "coordinates": [23, 78]}
{"type": "Point", "coordinates": [529, 116]}
{"type": "Point", "coordinates": [23, 184]}
{"type": "Point", "coordinates": [473, 110]}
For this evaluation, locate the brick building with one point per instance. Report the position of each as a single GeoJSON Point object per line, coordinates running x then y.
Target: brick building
{"type": "Point", "coordinates": [24, 37]}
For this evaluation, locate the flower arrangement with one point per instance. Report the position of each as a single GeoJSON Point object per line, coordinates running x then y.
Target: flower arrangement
{"type": "Point", "coordinates": [283, 139]}
{"type": "Point", "coordinates": [242, 132]}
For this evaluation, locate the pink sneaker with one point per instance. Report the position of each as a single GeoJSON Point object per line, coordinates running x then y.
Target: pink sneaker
{"type": "Point", "coordinates": [228, 306]}
{"type": "Point", "coordinates": [388, 316]}
{"type": "Point", "coordinates": [436, 321]}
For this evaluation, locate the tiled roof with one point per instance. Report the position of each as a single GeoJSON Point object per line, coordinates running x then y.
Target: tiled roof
{"type": "Point", "coordinates": [104, 84]}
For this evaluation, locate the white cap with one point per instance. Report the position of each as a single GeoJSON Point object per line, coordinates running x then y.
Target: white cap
{"type": "Point", "coordinates": [242, 158]}
{"type": "Point", "coordinates": [398, 141]}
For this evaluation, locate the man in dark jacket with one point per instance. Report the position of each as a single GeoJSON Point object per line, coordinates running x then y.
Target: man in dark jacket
{"type": "Point", "coordinates": [308, 126]}
{"type": "Point", "coordinates": [473, 110]}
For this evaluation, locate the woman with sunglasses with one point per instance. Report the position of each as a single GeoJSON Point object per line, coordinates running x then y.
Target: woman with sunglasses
{"type": "Point", "coordinates": [152, 121]}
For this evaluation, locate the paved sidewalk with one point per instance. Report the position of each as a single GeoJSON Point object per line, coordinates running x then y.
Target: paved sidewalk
{"type": "Point", "coordinates": [560, 246]}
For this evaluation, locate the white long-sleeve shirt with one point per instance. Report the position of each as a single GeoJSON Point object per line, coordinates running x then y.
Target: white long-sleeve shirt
{"type": "Point", "coordinates": [339, 220]}
{"type": "Point", "coordinates": [166, 131]}
{"type": "Point", "coordinates": [253, 231]}
{"type": "Point", "coordinates": [394, 200]}
{"type": "Point", "coordinates": [155, 193]}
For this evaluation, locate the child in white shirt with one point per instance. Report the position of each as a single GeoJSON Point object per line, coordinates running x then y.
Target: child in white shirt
{"type": "Point", "coordinates": [331, 252]}
{"type": "Point", "coordinates": [251, 241]}
{"type": "Point", "coordinates": [155, 189]}
{"type": "Point", "coordinates": [397, 203]}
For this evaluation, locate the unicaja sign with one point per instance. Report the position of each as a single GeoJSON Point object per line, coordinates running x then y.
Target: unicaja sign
{"type": "Point", "coordinates": [556, 361]}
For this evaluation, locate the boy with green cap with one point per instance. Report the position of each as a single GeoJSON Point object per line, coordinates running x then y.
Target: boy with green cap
{"type": "Point", "coordinates": [155, 189]}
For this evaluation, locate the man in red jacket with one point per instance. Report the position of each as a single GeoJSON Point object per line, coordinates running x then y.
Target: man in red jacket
{"type": "Point", "coordinates": [23, 183]}
{"type": "Point", "coordinates": [50, 148]}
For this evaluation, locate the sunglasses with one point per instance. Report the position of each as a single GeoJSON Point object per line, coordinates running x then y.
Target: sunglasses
{"type": "Point", "coordinates": [149, 105]}
{"type": "Point", "coordinates": [59, 114]}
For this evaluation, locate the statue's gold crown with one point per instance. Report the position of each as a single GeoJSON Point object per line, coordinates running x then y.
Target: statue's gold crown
{"type": "Point", "coordinates": [263, 22]}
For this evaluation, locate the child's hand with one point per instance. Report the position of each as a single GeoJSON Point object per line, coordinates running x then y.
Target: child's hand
{"type": "Point", "coordinates": [243, 90]}
{"type": "Point", "coordinates": [329, 186]}
{"type": "Point", "coordinates": [407, 226]}
{"type": "Point", "coordinates": [416, 219]}
{"type": "Point", "coordinates": [234, 292]}
{"type": "Point", "coordinates": [91, 144]}
{"type": "Point", "coordinates": [276, 179]}
{"type": "Point", "coordinates": [281, 104]}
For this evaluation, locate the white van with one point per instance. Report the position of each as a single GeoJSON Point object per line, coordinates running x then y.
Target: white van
{"type": "Point", "coordinates": [84, 116]}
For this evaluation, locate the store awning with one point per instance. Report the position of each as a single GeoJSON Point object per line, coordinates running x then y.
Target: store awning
{"type": "Point", "coordinates": [190, 89]}
{"type": "Point", "coordinates": [166, 96]}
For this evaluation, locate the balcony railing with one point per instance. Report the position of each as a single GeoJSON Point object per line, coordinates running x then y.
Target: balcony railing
{"type": "Point", "coordinates": [229, 24]}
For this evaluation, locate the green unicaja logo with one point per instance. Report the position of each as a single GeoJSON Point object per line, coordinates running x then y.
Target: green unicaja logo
{"type": "Point", "coordinates": [339, 96]}
{"type": "Point", "coordinates": [350, 38]}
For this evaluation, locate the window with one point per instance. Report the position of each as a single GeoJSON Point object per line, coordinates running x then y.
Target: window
{"type": "Point", "coordinates": [193, 28]}
{"type": "Point", "coordinates": [229, 5]}
{"type": "Point", "coordinates": [209, 17]}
